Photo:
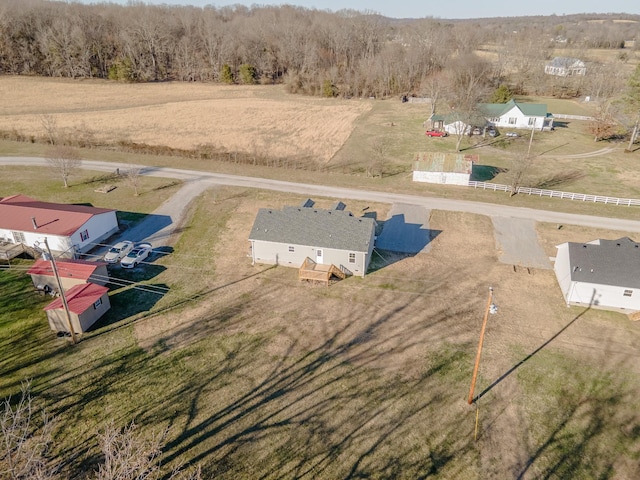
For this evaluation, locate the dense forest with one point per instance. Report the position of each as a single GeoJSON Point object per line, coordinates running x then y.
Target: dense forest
{"type": "Point", "coordinates": [346, 53]}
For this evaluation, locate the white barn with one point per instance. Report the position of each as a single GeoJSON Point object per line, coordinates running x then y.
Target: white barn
{"type": "Point", "coordinates": [601, 273]}
{"type": "Point", "coordinates": [69, 229]}
{"type": "Point", "coordinates": [443, 168]}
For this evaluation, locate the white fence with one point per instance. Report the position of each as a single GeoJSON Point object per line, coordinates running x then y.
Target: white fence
{"type": "Point", "coordinates": [571, 117]}
{"type": "Point", "coordinates": [496, 187]}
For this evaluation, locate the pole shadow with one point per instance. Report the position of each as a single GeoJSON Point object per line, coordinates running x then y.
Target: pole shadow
{"type": "Point", "coordinates": [525, 359]}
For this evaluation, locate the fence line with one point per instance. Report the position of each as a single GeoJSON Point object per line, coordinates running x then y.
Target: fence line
{"type": "Point", "coordinates": [496, 187]}
{"type": "Point", "coordinates": [571, 117]}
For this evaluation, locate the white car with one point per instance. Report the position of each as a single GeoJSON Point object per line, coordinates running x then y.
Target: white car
{"type": "Point", "coordinates": [118, 251]}
{"type": "Point", "coordinates": [136, 256]}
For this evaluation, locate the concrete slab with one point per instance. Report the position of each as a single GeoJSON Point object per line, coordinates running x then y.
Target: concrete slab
{"type": "Point", "coordinates": [406, 230]}
{"type": "Point", "coordinates": [517, 242]}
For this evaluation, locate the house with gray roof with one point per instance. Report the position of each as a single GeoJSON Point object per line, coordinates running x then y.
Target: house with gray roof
{"type": "Point", "coordinates": [601, 273]}
{"type": "Point", "coordinates": [565, 67]}
{"type": "Point", "coordinates": [328, 237]}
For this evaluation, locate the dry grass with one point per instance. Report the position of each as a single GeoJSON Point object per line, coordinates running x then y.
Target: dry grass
{"type": "Point", "coordinates": [259, 119]}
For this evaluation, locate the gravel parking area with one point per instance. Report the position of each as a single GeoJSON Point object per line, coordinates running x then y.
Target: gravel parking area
{"type": "Point", "coordinates": [517, 243]}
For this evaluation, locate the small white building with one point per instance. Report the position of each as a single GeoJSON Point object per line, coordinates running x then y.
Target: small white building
{"type": "Point", "coordinates": [443, 168]}
{"type": "Point", "coordinates": [69, 229]}
{"type": "Point", "coordinates": [603, 273]}
{"type": "Point", "coordinates": [565, 67]}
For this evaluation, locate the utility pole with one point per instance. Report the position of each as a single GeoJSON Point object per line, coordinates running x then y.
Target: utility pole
{"type": "Point", "coordinates": [477, 365]}
{"type": "Point", "coordinates": [61, 290]}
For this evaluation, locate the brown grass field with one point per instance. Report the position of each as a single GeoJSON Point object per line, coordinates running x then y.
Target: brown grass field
{"type": "Point", "coordinates": [256, 375]}
{"type": "Point", "coordinates": [182, 115]}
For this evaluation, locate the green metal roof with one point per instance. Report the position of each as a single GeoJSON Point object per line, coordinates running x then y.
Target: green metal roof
{"type": "Point", "coordinates": [499, 109]}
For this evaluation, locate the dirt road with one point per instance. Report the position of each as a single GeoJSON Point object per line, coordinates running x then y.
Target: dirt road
{"type": "Point", "coordinates": [431, 203]}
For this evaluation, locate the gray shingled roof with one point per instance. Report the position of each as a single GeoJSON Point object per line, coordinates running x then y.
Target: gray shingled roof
{"type": "Point", "coordinates": [315, 227]}
{"type": "Point", "coordinates": [612, 262]}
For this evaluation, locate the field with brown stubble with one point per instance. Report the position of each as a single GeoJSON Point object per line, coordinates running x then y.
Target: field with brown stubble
{"type": "Point", "coordinates": [253, 119]}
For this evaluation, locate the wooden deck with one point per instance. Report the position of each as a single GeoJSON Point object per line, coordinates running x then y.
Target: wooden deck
{"type": "Point", "coordinates": [10, 250]}
{"type": "Point", "coordinates": [310, 270]}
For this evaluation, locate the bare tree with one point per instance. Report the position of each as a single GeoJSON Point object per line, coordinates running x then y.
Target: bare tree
{"type": "Point", "coordinates": [518, 170]}
{"type": "Point", "coordinates": [133, 177]}
{"type": "Point", "coordinates": [380, 150]}
{"type": "Point", "coordinates": [64, 160]}
{"type": "Point", "coordinates": [130, 455]}
{"type": "Point", "coordinates": [25, 438]}
{"type": "Point", "coordinates": [602, 125]}
{"type": "Point", "coordinates": [50, 125]}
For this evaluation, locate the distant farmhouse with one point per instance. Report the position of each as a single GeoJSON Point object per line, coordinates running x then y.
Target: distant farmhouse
{"type": "Point", "coordinates": [332, 237]}
{"type": "Point", "coordinates": [69, 229]}
{"type": "Point", "coordinates": [601, 273]}
{"type": "Point", "coordinates": [502, 115]}
{"type": "Point", "coordinates": [443, 168]}
{"type": "Point", "coordinates": [565, 67]}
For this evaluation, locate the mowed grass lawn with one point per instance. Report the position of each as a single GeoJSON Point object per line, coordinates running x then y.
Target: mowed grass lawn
{"type": "Point", "coordinates": [255, 375]}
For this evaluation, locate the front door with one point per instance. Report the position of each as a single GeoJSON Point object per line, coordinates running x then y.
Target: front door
{"type": "Point", "coordinates": [319, 256]}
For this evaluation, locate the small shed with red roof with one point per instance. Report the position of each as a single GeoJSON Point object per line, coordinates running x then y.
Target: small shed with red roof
{"type": "Point", "coordinates": [68, 229]}
{"type": "Point", "coordinates": [71, 272]}
{"type": "Point", "coordinates": [87, 303]}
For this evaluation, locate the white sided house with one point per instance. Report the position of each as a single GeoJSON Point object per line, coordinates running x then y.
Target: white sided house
{"type": "Point", "coordinates": [517, 115]}
{"type": "Point", "coordinates": [603, 273]}
{"type": "Point", "coordinates": [336, 237]}
{"type": "Point", "coordinates": [69, 229]}
{"type": "Point", "coordinates": [510, 115]}
{"type": "Point", "coordinates": [443, 168]}
{"type": "Point", "coordinates": [565, 67]}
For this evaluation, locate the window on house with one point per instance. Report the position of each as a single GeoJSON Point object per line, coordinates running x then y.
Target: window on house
{"type": "Point", "coordinates": [628, 293]}
{"type": "Point", "coordinates": [532, 121]}
{"type": "Point", "coordinates": [18, 237]}
{"type": "Point", "coordinates": [291, 249]}
{"type": "Point", "coordinates": [84, 235]}
{"type": "Point", "coordinates": [512, 120]}
{"type": "Point", "coordinates": [97, 303]}
{"type": "Point", "coordinates": [352, 258]}
{"type": "Point", "coordinates": [495, 120]}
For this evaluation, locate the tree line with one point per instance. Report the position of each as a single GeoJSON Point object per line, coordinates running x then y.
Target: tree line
{"type": "Point", "coordinates": [346, 53]}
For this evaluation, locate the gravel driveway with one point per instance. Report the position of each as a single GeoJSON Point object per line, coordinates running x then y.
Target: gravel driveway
{"type": "Point", "coordinates": [517, 242]}
{"type": "Point", "coordinates": [406, 230]}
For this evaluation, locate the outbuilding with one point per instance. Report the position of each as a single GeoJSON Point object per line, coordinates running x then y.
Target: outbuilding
{"type": "Point", "coordinates": [443, 168]}
{"type": "Point", "coordinates": [603, 274]}
{"type": "Point", "coordinates": [71, 273]}
{"type": "Point", "coordinates": [87, 303]}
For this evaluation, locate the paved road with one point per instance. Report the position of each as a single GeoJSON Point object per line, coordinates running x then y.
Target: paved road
{"type": "Point", "coordinates": [350, 193]}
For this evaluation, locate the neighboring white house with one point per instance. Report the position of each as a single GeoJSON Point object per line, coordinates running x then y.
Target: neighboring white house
{"type": "Point", "coordinates": [517, 115]}
{"type": "Point", "coordinates": [510, 115]}
{"type": "Point", "coordinates": [601, 273]}
{"type": "Point", "coordinates": [69, 229]}
{"type": "Point", "coordinates": [443, 168]}
{"type": "Point", "coordinates": [328, 237]}
{"type": "Point", "coordinates": [565, 67]}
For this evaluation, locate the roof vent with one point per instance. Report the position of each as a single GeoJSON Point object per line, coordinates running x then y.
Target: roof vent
{"type": "Point", "coordinates": [338, 206]}
{"type": "Point", "coordinates": [584, 246]}
{"type": "Point", "coordinates": [308, 203]}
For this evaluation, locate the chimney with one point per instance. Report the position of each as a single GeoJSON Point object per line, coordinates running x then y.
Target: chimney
{"type": "Point", "coordinates": [35, 225]}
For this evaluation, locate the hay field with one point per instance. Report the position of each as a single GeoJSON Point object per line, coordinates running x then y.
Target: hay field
{"type": "Point", "coordinates": [253, 119]}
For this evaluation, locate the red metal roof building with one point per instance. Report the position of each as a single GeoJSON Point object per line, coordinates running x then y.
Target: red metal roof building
{"type": "Point", "coordinates": [71, 272]}
{"type": "Point", "coordinates": [87, 303]}
{"type": "Point", "coordinates": [77, 227]}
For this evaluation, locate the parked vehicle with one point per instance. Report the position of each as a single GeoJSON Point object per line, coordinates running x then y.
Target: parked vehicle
{"type": "Point", "coordinates": [476, 131]}
{"type": "Point", "coordinates": [435, 133]}
{"type": "Point", "coordinates": [136, 256]}
{"type": "Point", "coordinates": [118, 251]}
{"type": "Point", "coordinates": [512, 134]}
{"type": "Point", "coordinates": [492, 132]}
